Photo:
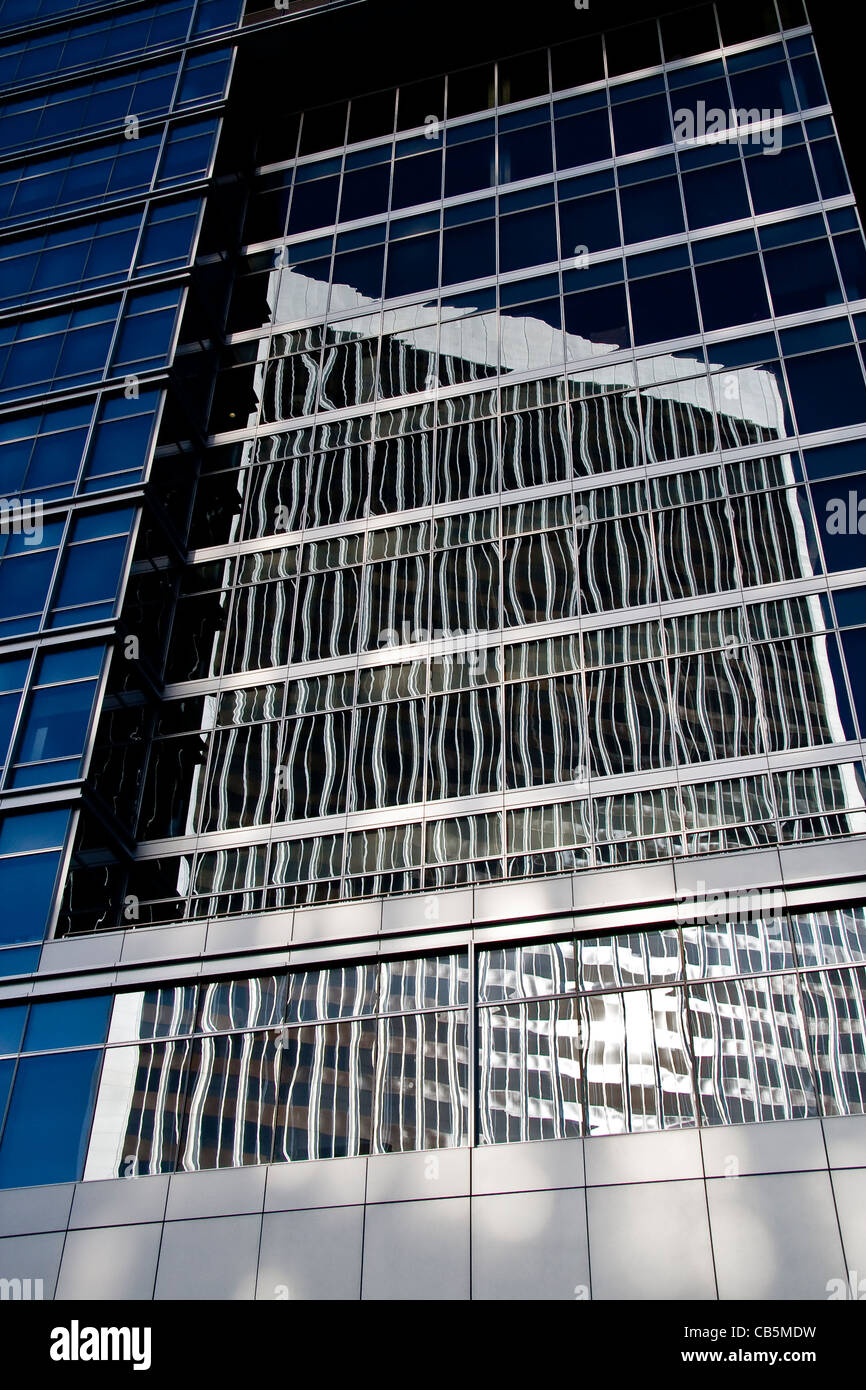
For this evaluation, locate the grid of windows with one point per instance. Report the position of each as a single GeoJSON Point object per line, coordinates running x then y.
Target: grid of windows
{"type": "Point", "coordinates": [591, 617]}
{"type": "Point", "coordinates": [72, 143]}
{"type": "Point", "coordinates": [102, 251]}
{"type": "Point", "coordinates": [714, 1022]}
{"type": "Point", "coordinates": [88, 106]}
{"type": "Point", "coordinates": [87, 42]}
{"type": "Point", "coordinates": [106, 172]}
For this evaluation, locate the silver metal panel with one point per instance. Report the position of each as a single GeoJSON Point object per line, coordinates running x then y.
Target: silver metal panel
{"type": "Point", "coordinates": [775, 1237]}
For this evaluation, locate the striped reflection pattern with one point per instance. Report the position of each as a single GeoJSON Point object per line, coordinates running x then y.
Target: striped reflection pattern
{"type": "Point", "coordinates": [728, 1020]}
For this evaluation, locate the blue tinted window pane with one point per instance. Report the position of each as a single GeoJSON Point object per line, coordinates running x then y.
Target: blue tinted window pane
{"type": "Point", "coordinates": [11, 1028]}
{"type": "Point", "coordinates": [468, 167]}
{"type": "Point", "coordinates": [601, 316]}
{"type": "Point", "coordinates": [21, 961]}
{"type": "Point", "coordinates": [732, 292]}
{"type": "Point", "coordinates": [92, 573]}
{"type": "Point", "coordinates": [840, 508]}
{"type": "Point", "coordinates": [365, 192]}
{"type": "Point", "coordinates": [168, 241]}
{"type": "Point", "coordinates": [26, 891]}
{"type": "Point", "coordinates": [71, 663]}
{"type": "Point", "coordinates": [854, 647]}
{"type": "Point", "coordinates": [417, 180]}
{"type": "Point", "coordinates": [144, 338]}
{"type": "Point", "coordinates": [768, 87]}
{"type": "Point", "coordinates": [651, 210]}
{"type": "Point", "coordinates": [187, 155]}
{"type": "Point", "coordinates": [468, 253]}
{"type": "Point", "coordinates": [830, 169]}
{"type": "Point", "coordinates": [361, 270]}
{"type": "Point", "coordinates": [641, 125]}
{"type": "Point", "coordinates": [802, 277]}
{"type": "Point", "coordinates": [527, 238]}
{"type": "Point", "coordinates": [413, 265]}
{"type": "Point", "coordinates": [663, 306]}
{"type": "Point", "coordinates": [852, 264]}
{"type": "Point", "coordinates": [780, 180]}
{"type": "Point", "coordinates": [8, 711]}
{"type": "Point", "coordinates": [582, 139]}
{"type": "Point", "coordinates": [57, 722]}
{"type": "Point", "coordinates": [24, 582]}
{"type": "Point", "coordinates": [56, 458]}
{"type": "Point", "coordinates": [590, 222]}
{"type": "Point", "coordinates": [714, 195]}
{"type": "Point", "coordinates": [313, 205]}
{"type": "Point", "coordinates": [827, 389]}
{"type": "Point", "coordinates": [836, 458]}
{"type": "Point", "coordinates": [120, 443]}
{"type": "Point", "coordinates": [7, 1069]}
{"type": "Point", "coordinates": [67, 1023]}
{"type": "Point", "coordinates": [525, 154]}
{"type": "Point", "coordinates": [46, 1131]}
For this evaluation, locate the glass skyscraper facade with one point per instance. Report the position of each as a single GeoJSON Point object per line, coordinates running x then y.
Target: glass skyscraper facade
{"type": "Point", "coordinates": [432, 637]}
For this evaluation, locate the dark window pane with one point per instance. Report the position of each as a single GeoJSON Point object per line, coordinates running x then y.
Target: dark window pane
{"type": "Point", "coordinates": [365, 192]}
{"type": "Point", "coordinates": [802, 277]}
{"type": "Point", "coordinates": [651, 210]}
{"type": "Point", "coordinates": [470, 166]}
{"type": "Point", "coordinates": [324, 128]}
{"type": "Point", "coordinates": [588, 222]}
{"type": "Point", "coordinates": [732, 292]}
{"type": "Point", "coordinates": [663, 306]}
{"type": "Point", "coordinates": [417, 179]}
{"type": "Point", "coordinates": [781, 180]}
{"type": "Point", "coordinates": [524, 77]}
{"type": "Point", "coordinates": [525, 154]}
{"type": "Point", "coordinates": [313, 205]}
{"type": "Point", "coordinates": [578, 62]}
{"type": "Point", "coordinates": [689, 33]}
{"type": "Point", "coordinates": [601, 316]}
{"type": "Point", "coordinates": [468, 253]}
{"type": "Point", "coordinates": [717, 194]}
{"type": "Point", "coordinates": [641, 125]}
{"type": "Point", "coordinates": [420, 100]}
{"type": "Point", "coordinates": [361, 270]}
{"type": "Point", "coordinates": [371, 117]}
{"type": "Point", "coordinates": [527, 238]}
{"type": "Point", "coordinates": [473, 89]}
{"type": "Point", "coordinates": [827, 389]}
{"type": "Point", "coordinates": [582, 139]}
{"type": "Point", "coordinates": [413, 264]}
